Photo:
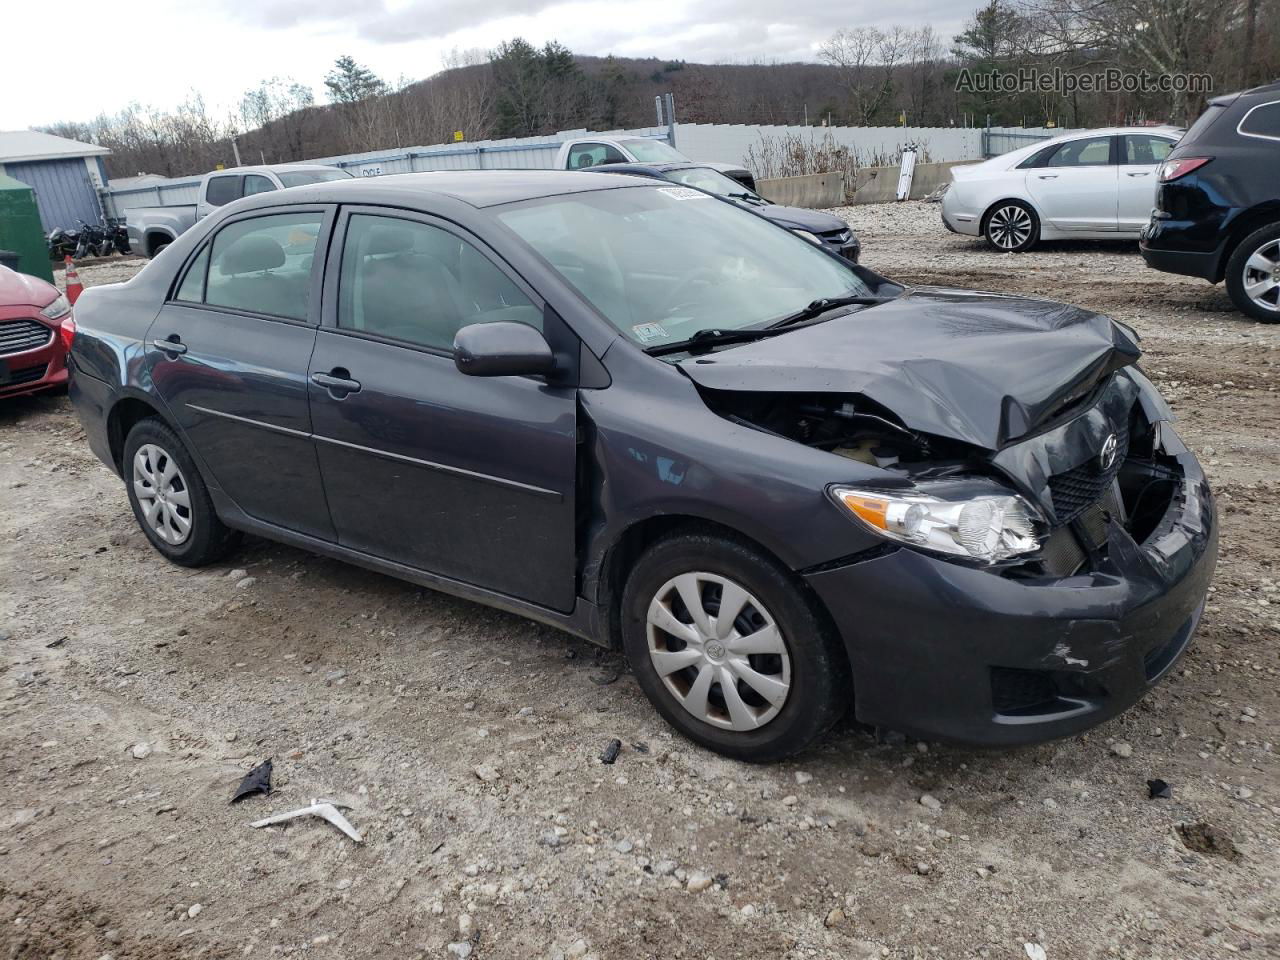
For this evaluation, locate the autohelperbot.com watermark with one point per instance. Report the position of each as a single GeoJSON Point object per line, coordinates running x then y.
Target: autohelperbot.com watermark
{"type": "Point", "coordinates": [1067, 82]}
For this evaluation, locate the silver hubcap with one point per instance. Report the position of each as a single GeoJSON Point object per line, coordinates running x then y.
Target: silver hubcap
{"type": "Point", "coordinates": [1262, 276]}
{"type": "Point", "coordinates": [719, 651]}
{"type": "Point", "coordinates": [1009, 227]}
{"type": "Point", "coordinates": [162, 494]}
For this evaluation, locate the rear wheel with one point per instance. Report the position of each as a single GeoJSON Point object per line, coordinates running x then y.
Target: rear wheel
{"type": "Point", "coordinates": [730, 649]}
{"type": "Point", "coordinates": [169, 498]}
{"type": "Point", "coordinates": [1011, 227]}
{"type": "Point", "coordinates": [1253, 275]}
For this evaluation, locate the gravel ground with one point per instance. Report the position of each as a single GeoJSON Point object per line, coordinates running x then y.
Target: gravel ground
{"type": "Point", "coordinates": [135, 694]}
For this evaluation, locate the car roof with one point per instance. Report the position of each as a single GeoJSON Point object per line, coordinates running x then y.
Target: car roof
{"type": "Point", "coordinates": [274, 168]}
{"type": "Point", "coordinates": [478, 188]}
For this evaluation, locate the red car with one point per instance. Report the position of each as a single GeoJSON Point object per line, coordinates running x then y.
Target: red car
{"type": "Point", "coordinates": [35, 332]}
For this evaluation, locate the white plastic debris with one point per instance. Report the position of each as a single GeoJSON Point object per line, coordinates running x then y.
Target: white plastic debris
{"type": "Point", "coordinates": [323, 809]}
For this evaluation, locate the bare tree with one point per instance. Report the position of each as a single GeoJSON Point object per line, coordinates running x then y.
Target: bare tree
{"type": "Point", "coordinates": [866, 58]}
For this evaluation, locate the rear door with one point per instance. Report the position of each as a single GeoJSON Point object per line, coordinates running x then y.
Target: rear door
{"type": "Point", "coordinates": [1075, 187]}
{"type": "Point", "coordinates": [470, 478]}
{"type": "Point", "coordinates": [229, 355]}
{"type": "Point", "coordinates": [1140, 157]}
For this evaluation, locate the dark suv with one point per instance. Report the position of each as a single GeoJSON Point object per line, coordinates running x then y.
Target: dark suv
{"type": "Point", "coordinates": [1217, 212]}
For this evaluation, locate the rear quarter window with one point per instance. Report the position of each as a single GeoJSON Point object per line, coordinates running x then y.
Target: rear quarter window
{"type": "Point", "coordinates": [1262, 121]}
{"type": "Point", "coordinates": [222, 190]}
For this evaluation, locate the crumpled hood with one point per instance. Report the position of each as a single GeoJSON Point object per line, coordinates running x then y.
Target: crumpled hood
{"type": "Point", "coordinates": [977, 367]}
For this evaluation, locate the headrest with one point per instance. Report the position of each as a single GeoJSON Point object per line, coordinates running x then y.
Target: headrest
{"type": "Point", "coordinates": [251, 254]}
{"type": "Point", "coordinates": [388, 240]}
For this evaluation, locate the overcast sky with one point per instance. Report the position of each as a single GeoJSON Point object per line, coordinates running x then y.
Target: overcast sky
{"type": "Point", "coordinates": [105, 55]}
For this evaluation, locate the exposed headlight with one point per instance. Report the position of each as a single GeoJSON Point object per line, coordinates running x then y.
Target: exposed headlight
{"type": "Point", "coordinates": [56, 310]}
{"type": "Point", "coordinates": [811, 237]}
{"type": "Point", "coordinates": [988, 528]}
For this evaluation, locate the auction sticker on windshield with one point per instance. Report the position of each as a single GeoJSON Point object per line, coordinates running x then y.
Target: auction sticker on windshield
{"type": "Point", "coordinates": [650, 332]}
{"type": "Point", "coordinates": [685, 193]}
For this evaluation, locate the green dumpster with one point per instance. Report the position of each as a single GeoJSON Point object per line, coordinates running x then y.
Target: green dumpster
{"type": "Point", "coordinates": [20, 229]}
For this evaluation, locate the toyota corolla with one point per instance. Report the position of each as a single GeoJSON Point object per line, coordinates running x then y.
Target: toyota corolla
{"type": "Point", "coordinates": [782, 484]}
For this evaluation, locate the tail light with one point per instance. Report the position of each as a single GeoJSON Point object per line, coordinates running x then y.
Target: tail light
{"type": "Point", "coordinates": [67, 333]}
{"type": "Point", "coordinates": [1173, 169]}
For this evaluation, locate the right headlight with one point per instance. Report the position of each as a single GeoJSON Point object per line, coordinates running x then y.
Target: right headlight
{"type": "Point", "coordinates": [987, 528]}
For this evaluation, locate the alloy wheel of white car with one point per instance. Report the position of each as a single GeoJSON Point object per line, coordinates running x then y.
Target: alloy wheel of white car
{"type": "Point", "coordinates": [1011, 227]}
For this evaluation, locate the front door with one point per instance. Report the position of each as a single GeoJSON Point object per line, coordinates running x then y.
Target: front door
{"type": "Point", "coordinates": [229, 355]}
{"type": "Point", "coordinates": [471, 478]}
{"type": "Point", "coordinates": [1140, 157]}
{"type": "Point", "coordinates": [1075, 189]}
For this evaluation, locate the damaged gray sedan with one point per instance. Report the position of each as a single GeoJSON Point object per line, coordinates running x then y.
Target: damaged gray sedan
{"type": "Point", "coordinates": [783, 485]}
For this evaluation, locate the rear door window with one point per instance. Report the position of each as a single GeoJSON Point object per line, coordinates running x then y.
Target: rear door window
{"type": "Point", "coordinates": [1262, 121]}
{"type": "Point", "coordinates": [222, 190]}
{"type": "Point", "coordinates": [263, 265]}
{"type": "Point", "coordinates": [1145, 151]}
{"type": "Point", "coordinates": [1093, 152]}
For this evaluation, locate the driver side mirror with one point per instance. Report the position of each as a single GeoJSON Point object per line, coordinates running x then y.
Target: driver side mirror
{"type": "Point", "coordinates": [502, 349]}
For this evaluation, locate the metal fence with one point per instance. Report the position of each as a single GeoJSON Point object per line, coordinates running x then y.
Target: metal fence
{"type": "Point", "coordinates": [998, 140]}
{"type": "Point", "coordinates": [726, 142]}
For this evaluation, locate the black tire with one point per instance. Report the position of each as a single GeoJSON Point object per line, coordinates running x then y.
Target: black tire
{"type": "Point", "coordinates": [209, 539]}
{"type": "Point", "coordinates": [1265, 243]}
{"type": "Point", "coordinates": [1001, 227]}
{"type": "Point", "coordinates": [159, 250]}
{"type": "Point", "coordinates": [820, 688]}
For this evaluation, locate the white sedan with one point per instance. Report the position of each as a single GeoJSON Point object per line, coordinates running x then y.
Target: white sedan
{"type": "Point", "coordinates": [1097, 185]}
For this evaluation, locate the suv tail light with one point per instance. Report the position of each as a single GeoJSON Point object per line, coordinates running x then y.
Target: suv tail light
{"type": "Point", "coordinates": [67, 333]}
{"type": "Point", "coordinates": [1173, 169]}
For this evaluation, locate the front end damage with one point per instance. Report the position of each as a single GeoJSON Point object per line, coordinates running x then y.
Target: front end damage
{"type": "Point", "coordinates": [1038, 645]}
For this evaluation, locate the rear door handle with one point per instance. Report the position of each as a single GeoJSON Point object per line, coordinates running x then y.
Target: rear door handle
{"type": "Point", "coordinates": [336, 381]}
{"type": "Point", "coordinates": [1048, 176]}
{"type": "Point", "coordinates": [1140, 173]}
{"type": "Point", "coordinates": [172, 345]}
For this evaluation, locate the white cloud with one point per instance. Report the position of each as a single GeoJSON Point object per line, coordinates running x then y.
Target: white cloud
{"type": "Point", "coordinates": [156, 53]}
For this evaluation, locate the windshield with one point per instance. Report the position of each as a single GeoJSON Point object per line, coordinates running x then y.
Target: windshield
{"type": "Point", "coordinates": [300, 178]}
{"type": "Point", "coordinates": [712, 181]}
{"type": "Point", "coordinates": [661, 263]}
{"type": "Point", "coordinates": [652, 151]}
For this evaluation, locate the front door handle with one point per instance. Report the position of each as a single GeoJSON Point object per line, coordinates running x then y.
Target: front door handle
{"type": "Point", "coordinates": [1048, 176]}
{"type": "Point", "coordinates": [336, 381]}
{"type": "Point", "coordinates": [172, 345]}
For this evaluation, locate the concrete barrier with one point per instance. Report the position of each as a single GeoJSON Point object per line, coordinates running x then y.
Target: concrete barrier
{"type": "Point", "coordinates": [880, 184]}
{"type": "Point", "coordinates": [812, 190]}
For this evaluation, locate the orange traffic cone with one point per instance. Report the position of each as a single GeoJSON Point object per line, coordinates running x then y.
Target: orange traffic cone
{"type": "Point", "coordinates": [74, 287]}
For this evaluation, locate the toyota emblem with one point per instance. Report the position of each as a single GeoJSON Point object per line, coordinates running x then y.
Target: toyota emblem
{"type": "Point", "coordinates": [1110, 448]}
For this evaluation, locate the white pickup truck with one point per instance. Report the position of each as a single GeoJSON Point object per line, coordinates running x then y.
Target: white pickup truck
{"type": "Point", "coordinates": [151, 229]}
{"type": "Point", "coordinates": [586, 152]}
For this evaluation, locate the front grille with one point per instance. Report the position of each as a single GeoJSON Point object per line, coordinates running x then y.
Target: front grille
{"type": "Point", "coordinates": [837, 236]}
{"type": "Point", "coordinates": [1076, 490]}
{"type": "Point", "coordinates": [18, 336]}
{"type": "Point", "coordinates": [25, 375]}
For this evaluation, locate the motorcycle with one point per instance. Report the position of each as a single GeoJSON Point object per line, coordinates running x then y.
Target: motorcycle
{"type": "Point", "coordinates": [62, 243]}
{"type": "Point", "coordinates": [119, 234]}
{"type": "Point", "coordinates": [94, 241]}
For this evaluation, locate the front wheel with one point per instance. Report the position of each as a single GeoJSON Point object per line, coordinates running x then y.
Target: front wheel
{"type": "Point", "coordinates": [169, 498]}
{"type": "Point", "coordinates": [730, 649]}
{"type": "Point", "coordinates": [1012, 227]}
{"type": "Point", "coordinates": [1253, 275]}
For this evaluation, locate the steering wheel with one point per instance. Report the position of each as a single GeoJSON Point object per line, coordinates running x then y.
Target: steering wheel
{"type": "Point", "coordinates": [680, 294]}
